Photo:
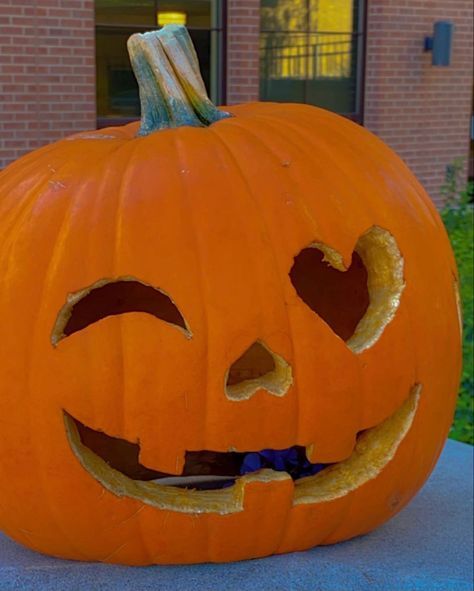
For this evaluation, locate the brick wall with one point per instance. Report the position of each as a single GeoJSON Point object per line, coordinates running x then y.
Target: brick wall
{"type": "Point", "coordinates": [422, 111]}
{"type": "Point", "coordinates": [47, 72]}
{"type": "Point", "coordinates": [243, 32]}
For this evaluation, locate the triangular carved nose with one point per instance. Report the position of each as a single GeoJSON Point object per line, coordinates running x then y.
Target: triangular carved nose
{"type": "Point", "coordinates": [257, 368]}
{"type": "Point", "coordinates": [253, 364]}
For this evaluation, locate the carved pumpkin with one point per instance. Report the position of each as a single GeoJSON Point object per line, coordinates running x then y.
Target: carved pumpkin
{"type": "Point", "coordinates": [224, 334]}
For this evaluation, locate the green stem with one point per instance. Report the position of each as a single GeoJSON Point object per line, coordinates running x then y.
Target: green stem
{"type": "Point", "coordinates": [172, 93]}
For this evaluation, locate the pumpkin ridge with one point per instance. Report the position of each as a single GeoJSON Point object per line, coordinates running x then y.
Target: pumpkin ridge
{"type": "Point", "coordinates": [330, 130]}
{"type": "Point", "coordinates": [21, 211]}
{"type": "Point", "coordinates": [121, 197]}
{"type": "Point", "coordinates": [39, 450]}
{"type": "Point", "coordinates": [306, 213]}
{"type": "Point", "coordinates": [28, 161]}
{"type": "Point", "coordinates": [202, 288]}
{"type": "Point", "coordinates": [259, 209]}
{"type": "Point", "coordinates": [343, 261]}
{"type": "Point", "coordinates": [308, 146]}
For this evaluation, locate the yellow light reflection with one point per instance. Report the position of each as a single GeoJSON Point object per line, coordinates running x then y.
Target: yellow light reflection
{"type": "Point", "coordinates": [171, 18]}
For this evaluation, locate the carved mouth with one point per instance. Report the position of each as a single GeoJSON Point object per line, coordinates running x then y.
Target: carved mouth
{"type": "Point", "coordinates": [214, 482]}
{"type": "Point", "coordinates": [203, 470]}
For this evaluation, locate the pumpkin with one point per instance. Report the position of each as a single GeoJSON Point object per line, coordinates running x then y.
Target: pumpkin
{"type": "Point", "coordinates": [225, 333]}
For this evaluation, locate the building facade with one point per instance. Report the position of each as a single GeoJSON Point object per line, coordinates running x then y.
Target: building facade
{"type": "Point", "coordinates": [64, 67]}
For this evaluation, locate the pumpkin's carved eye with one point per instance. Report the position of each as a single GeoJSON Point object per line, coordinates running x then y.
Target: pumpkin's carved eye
{"type": "Point", "coordinates": [360, 301]}
{"type": "Point", "coordinates": [109, 298]}
{"type": "Point", "coordinates": [340, 299]}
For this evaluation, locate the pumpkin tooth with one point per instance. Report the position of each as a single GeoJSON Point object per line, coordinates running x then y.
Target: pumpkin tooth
{"type": "Point", "coordinates": [374, 449]}
{"type": "Point", "coordinates": [311, 454]}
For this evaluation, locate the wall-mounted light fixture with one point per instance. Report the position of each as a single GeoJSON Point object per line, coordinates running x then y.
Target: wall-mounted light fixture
{"type": "Point", "coordinates": [440, 44]}
{"type": "Point", "coordinates": [170, 18]}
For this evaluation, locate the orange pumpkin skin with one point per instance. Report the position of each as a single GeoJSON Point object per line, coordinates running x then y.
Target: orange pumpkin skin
{"type": "Point", "coordinates": [214, 217]}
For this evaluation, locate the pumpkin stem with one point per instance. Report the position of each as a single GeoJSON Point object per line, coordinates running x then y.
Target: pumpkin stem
{"type": "Point", "coordinates": [172, 93]}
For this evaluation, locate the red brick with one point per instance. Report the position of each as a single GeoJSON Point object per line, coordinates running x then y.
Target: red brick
{"type": "Point", "coordinates": [48, 80]}
{"type": "Point", "coordinates": [243, 62]}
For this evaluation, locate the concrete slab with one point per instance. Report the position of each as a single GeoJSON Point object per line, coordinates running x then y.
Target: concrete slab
{"type": "Point", "coordinates": [427, 547]}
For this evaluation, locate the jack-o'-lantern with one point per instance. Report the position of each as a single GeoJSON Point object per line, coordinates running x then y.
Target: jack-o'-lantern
{"type": "Point", "coordinates": [225, 333]}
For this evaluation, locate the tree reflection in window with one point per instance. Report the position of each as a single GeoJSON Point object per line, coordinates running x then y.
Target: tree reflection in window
{"type": "Point", "coordinates": [310, 52]}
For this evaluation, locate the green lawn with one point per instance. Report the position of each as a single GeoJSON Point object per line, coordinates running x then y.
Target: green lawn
{"type": "Point", "coordinates": [458, 216]}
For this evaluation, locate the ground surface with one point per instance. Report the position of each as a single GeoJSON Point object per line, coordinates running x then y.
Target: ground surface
{"type": "Point", "coordinates": [427, 547]}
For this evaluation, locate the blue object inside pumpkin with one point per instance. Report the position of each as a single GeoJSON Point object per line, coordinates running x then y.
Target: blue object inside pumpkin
{"type": "Point", "coordinates": [292, 460]}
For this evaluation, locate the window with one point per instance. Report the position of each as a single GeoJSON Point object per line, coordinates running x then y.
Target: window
{"type": "Point", "coordinates": [311, 51]}
{"type": "Point", "coordinates": [116, 20]}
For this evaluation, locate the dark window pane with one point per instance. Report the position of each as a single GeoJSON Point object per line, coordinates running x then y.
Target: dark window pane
{"type": "Point", "coordinates": [117, 91]}
{"type": "Point", "coordinates": [202, 43]}
{"type": "Point", "coordinates": [309, 52]}
{"type": "Point", "coordinates": [125, 12]}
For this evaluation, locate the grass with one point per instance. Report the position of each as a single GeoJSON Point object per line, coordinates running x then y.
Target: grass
{"type": "Point", "coordinates": [458, 217]}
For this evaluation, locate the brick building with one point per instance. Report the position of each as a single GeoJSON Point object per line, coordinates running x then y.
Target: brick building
{"type": "Point", "coordinates": [63, 66]}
